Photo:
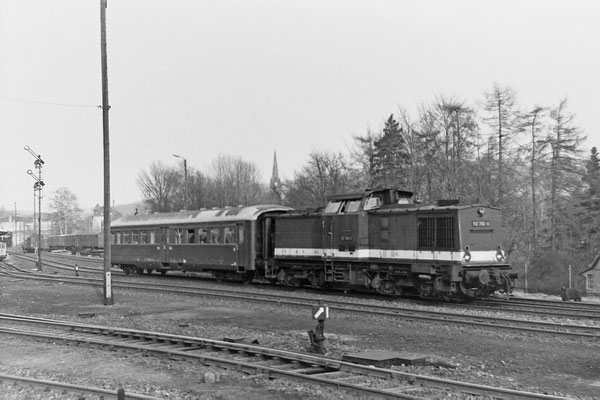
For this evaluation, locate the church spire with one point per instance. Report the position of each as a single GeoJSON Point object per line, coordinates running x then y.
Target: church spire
{"type": "Point", "coordinates": [275, 181]}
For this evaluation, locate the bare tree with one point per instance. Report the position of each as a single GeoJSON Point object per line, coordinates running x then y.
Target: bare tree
{"type": "Point", "coordinates": [501, 105]}
{"type": "Point", "coordinates": [565, 164]}
{"type": "Point", "coordinates": [65, 203]}
{"type": "Point", "coordinates": [236, 182]}
{"type": "Point", "coordinates": [533, 122]}
{"type": "Point", "coordinates": [324, 175]}
{"type": "Point", "coordinates": [158, 186]}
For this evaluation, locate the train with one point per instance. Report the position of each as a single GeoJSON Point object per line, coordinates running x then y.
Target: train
{"type": "Point", "coordinates": [76, 243]}
{"type": "Point", "coordinates": [5, 242]}
{"type": "Point", "coordinates": [377, 240]}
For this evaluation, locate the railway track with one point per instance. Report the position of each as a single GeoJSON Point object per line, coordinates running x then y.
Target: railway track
{"type": "Point", "coordinates": [461, 317]}
{"type": "Point", "coordinates": [61, 388]}
{"type": "Point", "coordinates": [559, 308]}
{"type": "Point", "coordinates": [259, 362]}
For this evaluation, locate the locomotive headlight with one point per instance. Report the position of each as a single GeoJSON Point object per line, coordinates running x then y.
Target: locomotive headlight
{"type": "Point", "coordinates": [467, 254]}
{"type": "Point", "coordinates": [500, 254]}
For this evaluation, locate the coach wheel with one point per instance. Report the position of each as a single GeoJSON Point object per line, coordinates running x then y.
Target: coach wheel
{"type": "Point", "coordinates": [163, 272]}
{"type": "Point", "coordinates": [149, 271]}
{"type": "Point", "coordinates": [219, 277]}
{"type": "Point", "coordinates": [127, 271]}
{"type": "Point", "coordinates": [248, 277]}
{"type": "Point", "coordinates": [140, 271]}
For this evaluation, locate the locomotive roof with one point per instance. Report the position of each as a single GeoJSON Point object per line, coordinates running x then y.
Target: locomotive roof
{"type": "Point", "coordinates": [413, 208]}
{"type": "Point", "coordinates": [366, 193]}
{"type": "Point", "coordinates": [229, 214]}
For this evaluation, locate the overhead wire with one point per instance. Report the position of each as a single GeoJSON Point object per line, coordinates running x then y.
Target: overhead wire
{"type": "Point", "coordinates": [16, 99]}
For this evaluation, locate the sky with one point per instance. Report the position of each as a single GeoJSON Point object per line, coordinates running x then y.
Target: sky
{"type": "Point", "coordinates": [251, 77]}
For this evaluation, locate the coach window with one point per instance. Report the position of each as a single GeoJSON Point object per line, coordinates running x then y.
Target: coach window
{"type": "Point", "coordinates": [191, 237]}
{"type": "Point", "coordinates": [215, 235]}
{"type": "Point", "coordinates": [177, 236]}
{"type": "Point", "coordinates": [228, 235]}
{"type": "Point", "coordinates": [135, 237]}
{"type": "Point", "coordinates": [126, 238]}
{"type": "Point", "coordinates": [240, 234]}
{"type": "Point", "coordinates": [152, 237]}
{"type": "Point", "coordinates": [203, 235]}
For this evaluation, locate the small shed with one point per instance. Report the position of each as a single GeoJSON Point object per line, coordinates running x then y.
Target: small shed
{"type": "Point", "coordinates": [592, 278]}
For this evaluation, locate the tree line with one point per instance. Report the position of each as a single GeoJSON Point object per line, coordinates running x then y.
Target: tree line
{"type": "Point", "coordinates": [528, 162]}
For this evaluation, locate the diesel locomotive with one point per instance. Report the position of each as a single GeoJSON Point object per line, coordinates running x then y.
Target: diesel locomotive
{"type": "Point", "coordinates": [376, 240]}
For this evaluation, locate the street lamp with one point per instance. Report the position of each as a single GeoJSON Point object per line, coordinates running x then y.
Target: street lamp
{"type": "Point", "coordinates": [37, 186]}
{"type": "Point", "coordinates": [185, 196]}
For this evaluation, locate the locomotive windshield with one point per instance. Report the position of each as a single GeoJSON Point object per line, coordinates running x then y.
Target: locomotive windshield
{"type": "Point", "coordinates": [342, 206]}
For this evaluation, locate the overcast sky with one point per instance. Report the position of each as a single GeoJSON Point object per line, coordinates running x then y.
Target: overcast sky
{"type": "Point", "coordinates": [249, 77]}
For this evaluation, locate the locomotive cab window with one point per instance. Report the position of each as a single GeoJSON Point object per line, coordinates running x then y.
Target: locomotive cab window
{"type": "Point", "coordinates": [352, 206]}
{"type": "Point", "coordinates": [332, 207]}
{"type": "Point", "coordinates": [372, 203]}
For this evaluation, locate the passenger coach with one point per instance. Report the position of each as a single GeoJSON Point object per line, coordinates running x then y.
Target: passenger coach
{"type": "Point", "coordinates": [230, 242]}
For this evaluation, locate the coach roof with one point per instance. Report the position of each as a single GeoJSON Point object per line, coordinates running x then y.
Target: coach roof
{"type": "Point", "coordinates": [229, 214]}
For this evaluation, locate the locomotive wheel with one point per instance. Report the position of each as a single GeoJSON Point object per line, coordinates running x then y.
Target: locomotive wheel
{"type": "Point", "coordinates": [315, 280]}
{"type": "Point", "coordinates": [387, 287]}
{"type": "Point", "coordinates": [425, 289]}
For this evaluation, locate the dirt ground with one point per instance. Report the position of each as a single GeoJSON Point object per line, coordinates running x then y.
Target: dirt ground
{"type": "Point", "coordinates": [521, 361]}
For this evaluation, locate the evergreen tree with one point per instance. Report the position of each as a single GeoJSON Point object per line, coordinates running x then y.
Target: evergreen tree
{"type": "Point", "coordinates": [390, 158]}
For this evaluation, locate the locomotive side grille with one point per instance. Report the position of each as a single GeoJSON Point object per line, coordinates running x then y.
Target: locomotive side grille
{"type": "Point", "coordinates": [436, 233]}
{"type": "Point", "coordinates": [445, 232]}
{"type": "Point", "coordinates": [426, 232]}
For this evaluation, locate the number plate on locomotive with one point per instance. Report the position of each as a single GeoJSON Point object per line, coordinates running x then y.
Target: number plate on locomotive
{"type": "Point", "coordinates": [480, 224]}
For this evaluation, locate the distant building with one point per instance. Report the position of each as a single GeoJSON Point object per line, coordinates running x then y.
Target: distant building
{"type": "Point", "coordinates": [23, 227]}
{"type": "Point", "coordinates": [592, 278]}
{"type": "Point", "coordinates": [98, 218]}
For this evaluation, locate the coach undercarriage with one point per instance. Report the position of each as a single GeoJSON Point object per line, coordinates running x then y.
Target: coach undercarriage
{"type": "Point", "coordinates": [447, 282]}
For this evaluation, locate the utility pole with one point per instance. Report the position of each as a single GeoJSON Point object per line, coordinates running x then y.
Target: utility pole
{"type": "Point", "coordinates": [15, 235]}
{"type": "Point", "coordinates": [108, 297]}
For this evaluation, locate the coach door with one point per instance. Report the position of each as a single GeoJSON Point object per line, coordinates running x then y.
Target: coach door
{"type": "Point", "coordinates": [165, 256]}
